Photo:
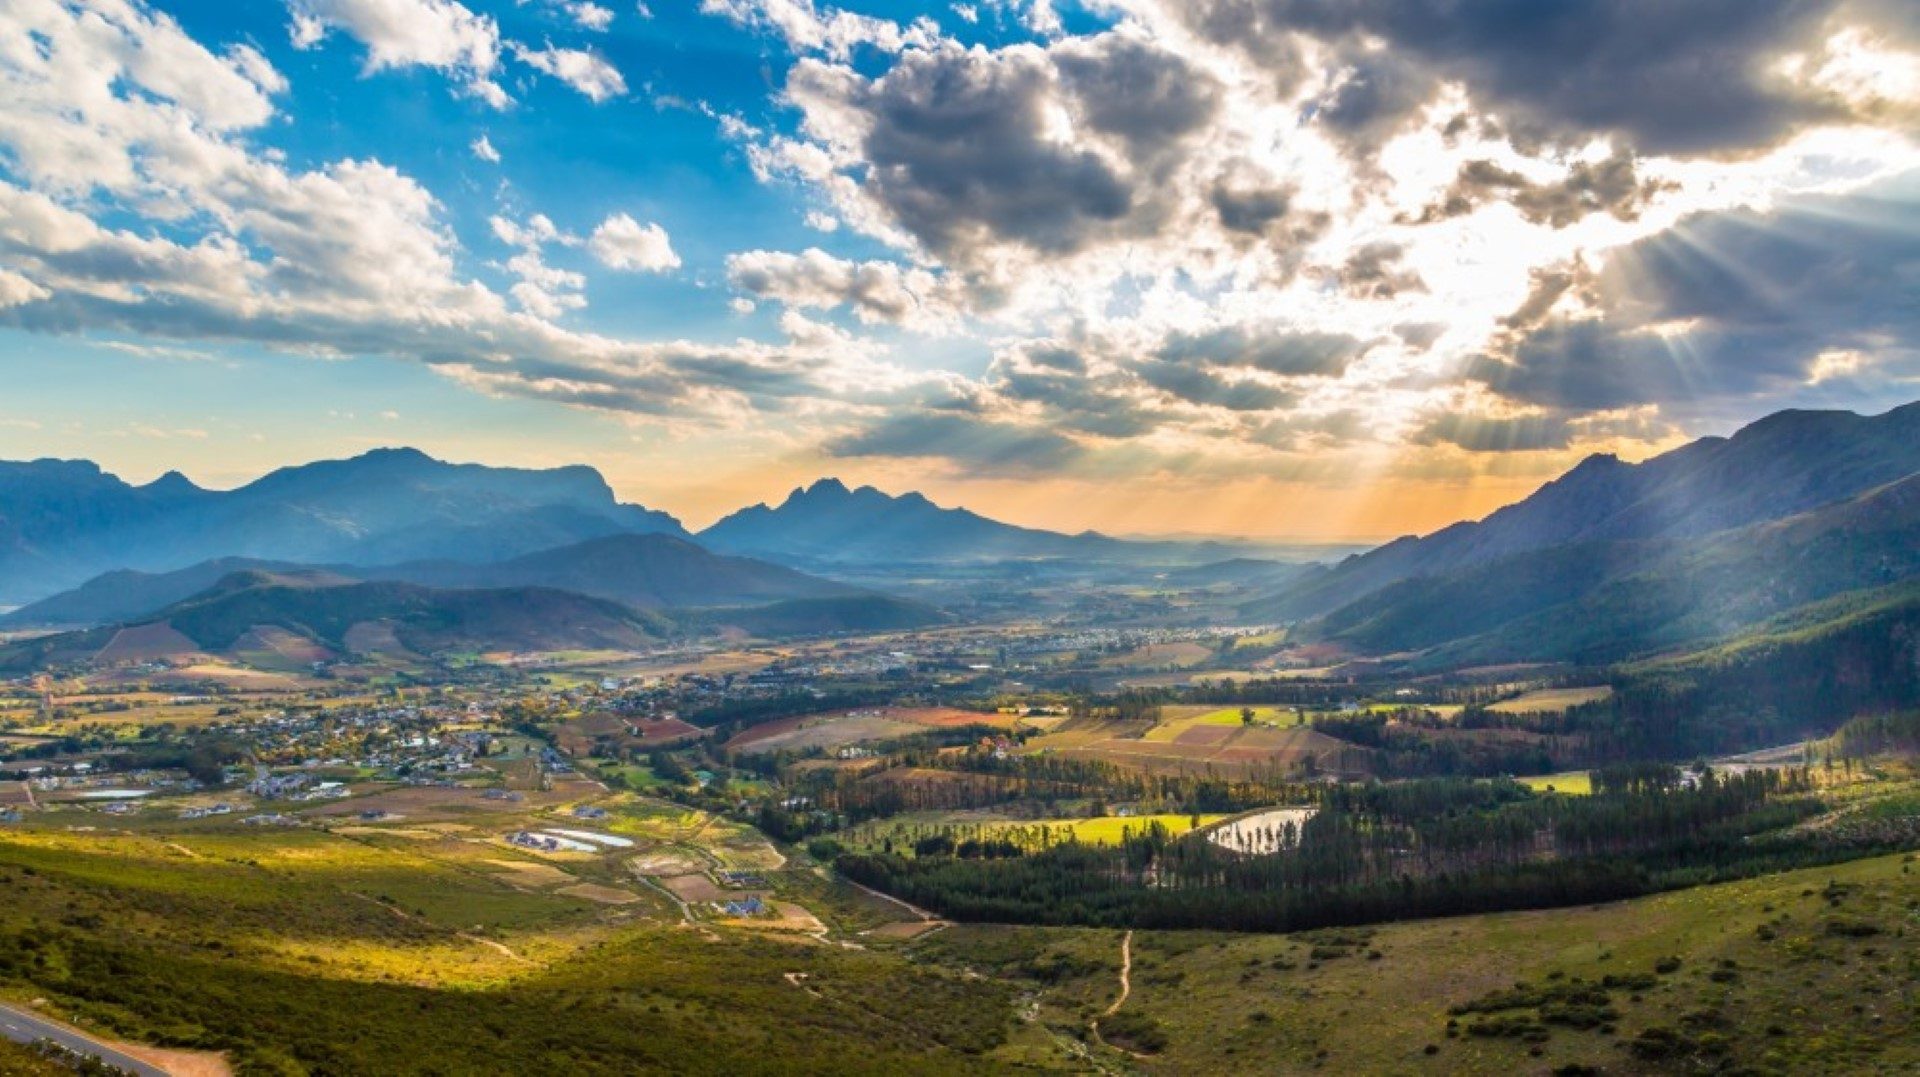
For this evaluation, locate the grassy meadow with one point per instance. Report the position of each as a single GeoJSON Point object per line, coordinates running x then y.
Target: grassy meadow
{"type": "Point", "coordinates": [1806, 972]}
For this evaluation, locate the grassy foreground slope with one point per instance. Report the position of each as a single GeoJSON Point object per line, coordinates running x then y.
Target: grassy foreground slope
{"type": "Point", "coordinates": [304, 952]}
{"type": "Point", "coordinates": [1814, 971]}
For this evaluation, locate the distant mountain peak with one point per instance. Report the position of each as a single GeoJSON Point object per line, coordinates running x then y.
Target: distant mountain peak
{"type": "Point", "coordinates": [67, 521]}
{"type": "Point", "coordinates": [1778, 466]}
{"type": "Point", "coordinates": [173, 484]}
{"type": "Point", "coordinates": [826, 522]}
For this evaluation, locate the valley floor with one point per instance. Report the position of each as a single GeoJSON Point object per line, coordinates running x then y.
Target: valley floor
{"type": "Point", "coordinates": [247, 946]}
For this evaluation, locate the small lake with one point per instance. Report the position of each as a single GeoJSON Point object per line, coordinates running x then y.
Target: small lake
{"type": "Point", "coordinates": [1264, 832]}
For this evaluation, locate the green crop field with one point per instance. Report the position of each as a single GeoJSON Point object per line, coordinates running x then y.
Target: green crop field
{"type": "Point", "coordinates": [1550, 700]}
{"type": "Point", "coordinates": [1280, 716]}
{"type": "Point", "coordinates": [1573, 783]}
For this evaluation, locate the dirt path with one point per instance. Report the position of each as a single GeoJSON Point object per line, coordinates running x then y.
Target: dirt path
{"type": "Point", "coordinates": [1126, 974]}
{"type": "Point", "coordinates": [648, 881]}
{"type": "Point", "coordinates": [914, 909]}
{"type": "Point", "coordinates": [497, 947]}
{"type": "Point", "coordinates": [31, 803]}
{"type": "Point", "coordinates": [1126, 988]}
{"type": "Point", "coordinates": [183, 850]}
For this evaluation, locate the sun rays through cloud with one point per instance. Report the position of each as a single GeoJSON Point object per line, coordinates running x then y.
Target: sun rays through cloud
{"type": "Point", "coordinates": [1260, 255]}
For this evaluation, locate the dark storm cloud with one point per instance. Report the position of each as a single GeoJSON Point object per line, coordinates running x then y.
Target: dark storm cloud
{"type": "Point", "coordinates": [1201, 385]}
{"type": "Point", "coordinates": [1376, 99]}
{"type": "Point", "coordinates": [1248, 210]}
{"type": "Point", "coordinates": [961, 439]}
{"type": "Point", "coordinates": [1611, 185]}
{"type": "Point", "coordinates": [1288, 354]}
{"type": "Point", "coordinates": [1670, 78]}
{"type": "Point", "coordinates": [1149, 97]}
{"type": "Point", "coordinates": [960, 148]}
{"type": "Point", "coordinates": [1058, 378]}
{"type": "Point", "coordinates": [1373, 271]}
{"type": "Point", "coordinates": [1727, 305]}
{"type": "Point", "coordinates": [956, 144]}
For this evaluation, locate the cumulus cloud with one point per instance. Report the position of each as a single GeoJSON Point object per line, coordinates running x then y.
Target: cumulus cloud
{"type": "Point", "coordinates": [16, 289]}
{"type": "Point", "coordinates": [971, 154]}
{"type": "Point", "coordinates": [584, 14]}
{"type": "Point", "coordinates": [585, 71]}
{"type": "Point", "coordinates": [805, 27]}
{"type": "Point", "coordinates": [440, 34]}
{"type": "Point", "coordinates": [876, 292]}
{"type": "Point", "coordinates": [1216, 233]}
{"type": "Point", "coordinates": [349, 258]}
{"type": "Point", "coordinates": [620, 242]}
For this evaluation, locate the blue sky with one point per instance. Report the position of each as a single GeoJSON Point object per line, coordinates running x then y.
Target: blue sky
{"type": "Point", "coordinates": [1261, 266]}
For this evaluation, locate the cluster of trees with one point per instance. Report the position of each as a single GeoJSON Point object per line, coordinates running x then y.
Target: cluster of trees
{"type": "Point", "coordinates": [1878, 734]}
{"type": "Point", "coordinates": [1405, 744]}
{"type": "Point", "coordinates": [1372, 852]}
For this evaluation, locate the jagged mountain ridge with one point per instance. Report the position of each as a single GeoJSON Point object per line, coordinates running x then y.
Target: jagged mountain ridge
{"type": "Point", "coordinates": [64, 522]}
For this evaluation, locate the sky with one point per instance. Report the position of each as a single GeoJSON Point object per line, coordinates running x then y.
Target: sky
{"type": "Point", "coordinates": [1274, 268]}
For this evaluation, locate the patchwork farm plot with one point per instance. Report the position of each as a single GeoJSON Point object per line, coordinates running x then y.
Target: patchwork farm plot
{"type": "Point", "coordinates": [580, 736]}
{"type": "Point", "coordinates": [1192, 744]}
{"type": "Point", "coordinates": [1551, 700]}
{"type": "Point", "coordinates": [845, 729]}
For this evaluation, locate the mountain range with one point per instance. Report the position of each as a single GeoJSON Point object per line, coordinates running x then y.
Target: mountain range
{"type": "Point", "coordinates": [647, 572]}
{"type": "Point", "coordinates": [828, 524]}
{"type": "Point", "coordinates": [1614, 559]}
{"type": "Point", "coordinates": [63, 522]}
{"type": "Point", "coordinates": [621, 592]}
{"type": "Point", "coordinates": [1610, 561]}
{"type": "Point", "coordinates": [268, 619]}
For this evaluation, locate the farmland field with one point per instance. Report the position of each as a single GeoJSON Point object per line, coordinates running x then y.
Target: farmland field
{"type": "Point", "coordinates": [1574, 783]}
{"type": "Point", "coordinates": [1028, 833]}
{"type": "Point", "coordinates": [841, 729]}
{"type": "Point", "coordinates": [1191, 744]}
{"type": "Point", "coordinates": [1551, 700]}
{"type": "Point", "coordinates": [1172, 725]}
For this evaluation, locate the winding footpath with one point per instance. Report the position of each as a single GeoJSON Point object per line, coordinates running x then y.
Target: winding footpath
{"type": "Point", "coordinates": [1126, 974]}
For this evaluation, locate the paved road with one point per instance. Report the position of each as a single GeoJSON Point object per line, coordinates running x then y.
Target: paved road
{"type": "Point", "coordinates": [22, 1027]}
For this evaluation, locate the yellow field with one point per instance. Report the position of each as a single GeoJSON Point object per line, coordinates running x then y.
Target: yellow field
{"type": "Point", "coordinates": [1034, 833]}
{"type": "Point", "coordinates": [1551, 700]}
{"type": "Point", "coordinates": [1578, 783]}
{"type": "Point", "coordinates": [1175, 721]}
{"type": "Point", "coordinates": [1109, 830]}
